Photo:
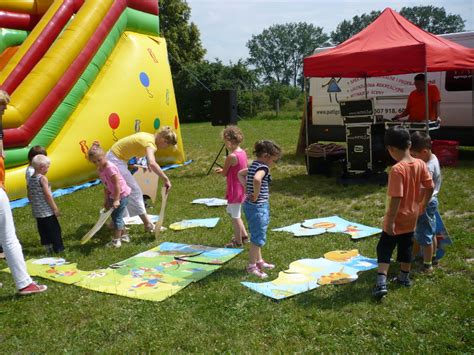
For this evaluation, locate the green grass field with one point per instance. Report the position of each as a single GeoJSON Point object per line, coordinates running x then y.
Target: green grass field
{"type": "Point", "coordinates": [218, 314]}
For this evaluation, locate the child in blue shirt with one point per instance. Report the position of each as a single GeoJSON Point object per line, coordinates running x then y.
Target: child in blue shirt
{"type": "Point", "coordinates": [256, 179]}
{"type": "Point", "coordinates": [425, 232]}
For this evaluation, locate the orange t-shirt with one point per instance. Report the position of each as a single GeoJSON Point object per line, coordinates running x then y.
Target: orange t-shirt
{"type": "Point", "coordinates": [416, 104]}
{"type": "Point", "coordinates": [405, 180]}
{"type": "Point", "coordinates": [2, 173]}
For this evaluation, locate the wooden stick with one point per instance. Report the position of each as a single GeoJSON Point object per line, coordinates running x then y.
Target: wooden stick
{"type": "Point", "coordinates": [159, 223]}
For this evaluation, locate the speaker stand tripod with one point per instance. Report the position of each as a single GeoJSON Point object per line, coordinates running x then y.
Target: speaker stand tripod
{"type": "Point", "coordinates": [217, 157]}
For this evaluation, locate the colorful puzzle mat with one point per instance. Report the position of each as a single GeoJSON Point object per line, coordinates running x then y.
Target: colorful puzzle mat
{"type": "Point", "coordinates": [442, 236]}
{"type": "Point", "coordinates": [153, 275]}
{"type": "Point", "coordinates": [337, 267]}
{"type": "Point", "coordinates": [332, 224]}
{"type": "Point", "coordinates": [137, 220]}
{"type": "Point", "coordinates": [194, 223]}
{"type": "Point", "coordinates": [211, 202]}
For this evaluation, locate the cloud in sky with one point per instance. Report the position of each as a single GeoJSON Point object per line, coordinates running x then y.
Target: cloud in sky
{"type": "Point", "coordinates": [227, 25]}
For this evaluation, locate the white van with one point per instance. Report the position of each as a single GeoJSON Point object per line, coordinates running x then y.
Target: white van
{"type": "Point", "coordinates": [391, 94]}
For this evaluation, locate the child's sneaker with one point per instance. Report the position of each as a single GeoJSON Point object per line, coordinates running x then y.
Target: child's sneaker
{"type": "Point", "coordinates": [406, 282]}
{"type": "Point", "coordinates": [125, 238]}
{"type": "Point", "coordinates": [254, 270]}
{"type": "Point", "coordinates": [114, 243]}
{"type": "Point", "coordinates": [380, 291]}
{"type": "Point", "coordinates": [32, 288]}
{"type": "Point", "coordinates": [150, 228]}
{"type": "Point", "coordinates": [427, 269]}
{"type": "Point", "coordinates": [264, 265]}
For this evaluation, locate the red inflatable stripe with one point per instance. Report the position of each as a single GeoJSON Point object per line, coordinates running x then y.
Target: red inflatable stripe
{"type": "Point", "coordinates": [148, 6]}
{"type": "Point", "coordinates": [18, 21]}
{"type": "Point", "coordinates": [41, 44]}
{"type": "Point", "coordinates": [21, 136]}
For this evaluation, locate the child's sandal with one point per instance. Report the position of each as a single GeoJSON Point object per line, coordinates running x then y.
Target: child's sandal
{"type": "Point", "coordinates": [245, 239]}
{"type": "Point", "coordinates": [233, 244]}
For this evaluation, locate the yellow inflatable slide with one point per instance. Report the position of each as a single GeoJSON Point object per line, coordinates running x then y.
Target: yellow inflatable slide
{"type": "Point", "coordinates": [94, 70]}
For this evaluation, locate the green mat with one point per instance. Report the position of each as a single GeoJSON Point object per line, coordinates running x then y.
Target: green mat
{"type": "Point", "coordinates": [153, 275]}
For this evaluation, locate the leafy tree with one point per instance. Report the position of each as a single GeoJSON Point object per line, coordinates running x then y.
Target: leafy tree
{"type": "Point", "coordinates": [200, 79]}
{"type": "Point", "coordinates": [277, 52]}
{"type": "Point", "coordinates": [348, 28]}
{"type": "Point", "coordinates": [433, 19]}
{"type": "Point", "coordinates": [183, 38]}
{"type": "Point", "coordinates": [430, 18]}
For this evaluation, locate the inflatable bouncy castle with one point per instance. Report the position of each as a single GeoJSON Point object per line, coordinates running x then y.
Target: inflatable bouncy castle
{"type": "Point", "coordinates": [79, 71]}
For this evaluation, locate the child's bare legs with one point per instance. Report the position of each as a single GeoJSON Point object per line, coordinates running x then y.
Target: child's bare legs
{"type": "Point", "coordinates": [416, 249]}
{"type": "Point", "coordinates": [427, 253]}
{"type": "Point", "coordinates": [239, 230]}
{"type": "Point", "coordinates": [237, 233]}
{"type": "Point", "coordinates": [242, 230]}
{"type": "Point", "coordinates": [149, 226]}
{"type": "Point", "coordinates": [255, 254]}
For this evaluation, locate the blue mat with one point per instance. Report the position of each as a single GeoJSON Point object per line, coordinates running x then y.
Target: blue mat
{"type": "Point", "coordinates": [22, 202]}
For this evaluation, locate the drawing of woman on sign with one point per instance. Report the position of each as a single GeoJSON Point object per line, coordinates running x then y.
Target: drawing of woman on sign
{"type": "Point", "coordinates": [333, 88]}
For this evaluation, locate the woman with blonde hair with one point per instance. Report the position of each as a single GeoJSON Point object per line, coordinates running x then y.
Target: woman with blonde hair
{"type": "Point", "coordinates": [138, 145]}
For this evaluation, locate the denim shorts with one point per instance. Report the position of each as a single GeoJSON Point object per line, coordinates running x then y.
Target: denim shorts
{"type": "Point", "coordinates": [117, 214]}
{"type": "Point", "coordinates": [258, 217]}
{"type": "Point", "coordinates": [426, 224]}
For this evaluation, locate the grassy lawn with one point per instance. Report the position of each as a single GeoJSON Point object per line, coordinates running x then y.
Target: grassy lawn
{"type": "Point", "coordinates": [218, 314]}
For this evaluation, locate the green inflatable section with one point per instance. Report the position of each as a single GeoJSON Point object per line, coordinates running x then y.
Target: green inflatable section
{"type": "Point", "coordinates": [130, 19]}
{"type": "Point", "coordinates": [10, 38]}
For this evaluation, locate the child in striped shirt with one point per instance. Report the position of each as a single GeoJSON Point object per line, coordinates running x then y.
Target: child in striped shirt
{"type": "Point", "coordinates": [43, 206]}
{"type": "Point", "coordinates": [256, 208]}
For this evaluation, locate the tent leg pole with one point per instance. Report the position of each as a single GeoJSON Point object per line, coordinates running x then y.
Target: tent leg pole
{"type": "Point", "coordinates": [427, 108]}
{"type": "Point", "coordinates": [306, 100]}
{"type": "Point", "coordinates": [365, 84]}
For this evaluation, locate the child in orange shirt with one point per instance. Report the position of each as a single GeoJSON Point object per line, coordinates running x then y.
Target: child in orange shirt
{"type": "Point", "coordinates": [406, 200]}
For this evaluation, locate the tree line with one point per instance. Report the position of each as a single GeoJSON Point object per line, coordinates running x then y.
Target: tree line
{"type": "Point", "coordinates": [274, 70]}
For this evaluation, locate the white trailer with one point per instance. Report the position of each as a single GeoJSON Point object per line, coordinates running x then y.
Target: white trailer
{"type": "Point", "coordinates": [391, 94]}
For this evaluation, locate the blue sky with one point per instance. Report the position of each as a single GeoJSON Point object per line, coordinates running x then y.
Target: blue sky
{"type": "Point", "coordinates": [227, 25]}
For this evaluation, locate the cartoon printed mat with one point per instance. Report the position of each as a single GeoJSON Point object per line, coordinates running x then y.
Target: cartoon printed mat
{"type": "Point", "coordinates": [333, 224]}
{"type": "Point", "coordinates": [337, 267]}
{"type": "Point", "coordinates": [211, 202]}
{"type": "Point", "coordinates": [194, 223]}
{"type": "Point", "coordinates": [153, 275]}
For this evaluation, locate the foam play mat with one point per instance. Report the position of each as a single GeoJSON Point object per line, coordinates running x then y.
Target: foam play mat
{"type": "Point", "coordinates": [442, 236]}
{"type": "Point", "coordinates": [332, 224]}
{"type": "Point", "coordinates": [211, 202]}
{"type": "Point", "coordinates": [137, 220]}
{"type": "Point", "coordinates": [194, 223]}
{"type": "Point", "coordinates": [337, 267]}
{"type": "Point", "coordinates": [153, 275]}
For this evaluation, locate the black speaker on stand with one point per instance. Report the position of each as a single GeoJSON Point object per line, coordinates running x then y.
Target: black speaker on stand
{"type": "Point", "coordinates": [224, 107]}
{"type": "Point", "coordinates": [223, 113]}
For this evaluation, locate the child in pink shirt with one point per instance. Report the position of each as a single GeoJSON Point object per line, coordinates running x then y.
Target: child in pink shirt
{"type": "Point", "coordinates": [116, 192]}
{"type": "Point", "coordinates": [236, 160]}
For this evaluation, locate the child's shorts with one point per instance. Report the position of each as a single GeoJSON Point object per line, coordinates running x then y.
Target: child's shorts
{"type": "Point", "coordinates": [426, 224]}
{"type": "Point", "coordinates": [387, 243]}
{"type": "Point", "coordinates": [117, 214]}
{"type": "Point", "coordinates": [258, 217]}
{"type": "Point", "coordinates": [234, 209]}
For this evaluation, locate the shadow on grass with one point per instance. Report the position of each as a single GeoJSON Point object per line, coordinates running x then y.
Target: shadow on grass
{"type": "Point", "coordinates": [317, 185]}
{"type": "Point", "coordinates": [354, 292]}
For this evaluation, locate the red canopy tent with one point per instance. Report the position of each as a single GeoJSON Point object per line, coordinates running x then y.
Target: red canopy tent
{"type": "Point", "coordinates": [390, 45]}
